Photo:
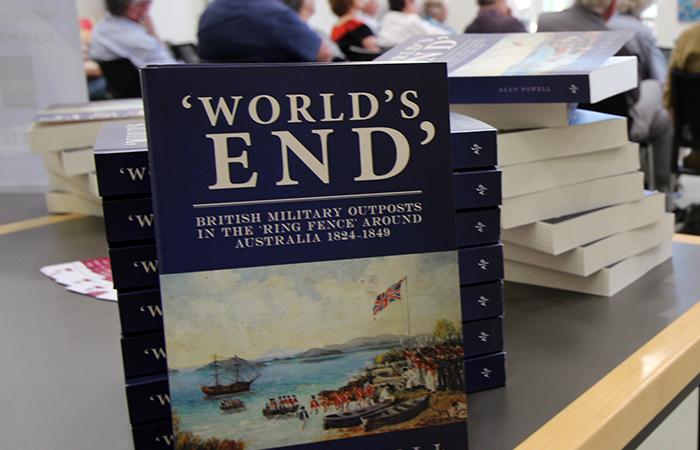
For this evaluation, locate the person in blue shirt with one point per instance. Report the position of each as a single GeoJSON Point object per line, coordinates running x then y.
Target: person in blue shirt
{"type": "Point", "coordinates": [128, 33]}
{"type": "Point", "coordinates": [257, 31]}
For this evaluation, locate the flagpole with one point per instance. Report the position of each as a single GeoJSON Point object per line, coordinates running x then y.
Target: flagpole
{"type": "Point", "coordinates": [408, 313]}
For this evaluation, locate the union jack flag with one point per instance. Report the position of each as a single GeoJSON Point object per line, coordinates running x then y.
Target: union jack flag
{"type": "Point", "coordinates": [389, 296]}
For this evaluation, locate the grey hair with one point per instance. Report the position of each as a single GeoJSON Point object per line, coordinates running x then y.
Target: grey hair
{"type": "Point", "coordinates": [595, 6]}
{"type": "Point", "coordinates": [633, 7]}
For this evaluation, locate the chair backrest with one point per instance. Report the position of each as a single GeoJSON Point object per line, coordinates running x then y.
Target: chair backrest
{"type": "Point", "coordinates": [122, 78]}
{"type": "Point", "coordinates": [186, 52]}
{"type": "Point", "coordinates": [356, 53]}
{"type": "Point", "coordinates": [685, 96]}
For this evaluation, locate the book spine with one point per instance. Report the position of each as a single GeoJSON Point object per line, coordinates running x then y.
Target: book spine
{"type": "Point", "coordinates": [123, 173]}
{"type": "Point", "coordinates": [155, 436]}
{"type": "Point", "coordinates": [148, 400]}
{"type": "Point", "coordinates": [474, 149]}
{"type": "Point", "coordinates": [482, 301]}
{"type": "Point", "coordinates": [478, 227]}
{"type": "Point", "coordinates": [129, 219]}
{"type": "Point", "coordinates": [144, 355]}
{"type": "Point", "coordinates": [134, 266]}
{"type": "Point", "coordinates": [520, 89]}
{"type": "Point", "coordinates": [477, 189]}
{"type": "Point", "coordinates": [481, 264]}
{"type": "Point", "coordinates": [482, 337]}
{"type": "Point", "coordinates": [140, 311]}
{"type": "Point", "coordinates": [485, 372]}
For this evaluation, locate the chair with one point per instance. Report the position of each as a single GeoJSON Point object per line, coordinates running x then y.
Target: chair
{"type": "Point", "coordinates": [185, 52]}
{"type": "Point", "coordinates": [122, 76]}
{"type": "Point", "coordinates": [356, 53]}
{"type": "Point", "coordinates": [685, 97]}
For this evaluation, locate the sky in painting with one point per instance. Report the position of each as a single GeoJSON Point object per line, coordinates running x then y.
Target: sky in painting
{"type": "Point", "coordinates": [277, 310]}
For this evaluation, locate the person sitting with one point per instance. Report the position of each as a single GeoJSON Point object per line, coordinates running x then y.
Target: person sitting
{"type": "Point", "coordinates": [257, 31]}
{"type": "Point", "coordinates": [685, 57]}
{"type": "Point", "coordinates": [494, 16]}
{"type": "Point", "coordinates": [649, 121]}
{"type": "Point", "coordinates": [402, 22]}
{"type": "Point", "coordinates": [435, 12]}
{"type": "Point", "coordinates": [127, 32]}
{"type": "Point", "coordinates": [628, 17]}
{"type": "Point", "coordinates": [350, 31]}
{"type": "Point", "coordinates": [368, 14]}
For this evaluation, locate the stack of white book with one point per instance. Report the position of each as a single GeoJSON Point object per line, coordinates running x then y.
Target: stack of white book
{"type": "Point", "coordinates": [64, 135]}
{"type": "Point", "coordinates": [574, 214]}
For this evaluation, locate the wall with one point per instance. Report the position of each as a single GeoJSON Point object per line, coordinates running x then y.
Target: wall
{"type": "Point", "coordinates": [668, 28]}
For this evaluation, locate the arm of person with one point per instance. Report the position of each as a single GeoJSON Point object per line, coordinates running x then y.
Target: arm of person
{"type": "Point", "coordinates": [325, 53]}
{"type": "Point", "coordinates": [370, 43]}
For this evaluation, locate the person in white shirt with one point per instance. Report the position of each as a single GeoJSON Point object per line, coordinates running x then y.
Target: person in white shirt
{"type": "Point", "coordinates": [402, 22]}
{"type": "Point", "coordinates": [128, 33]}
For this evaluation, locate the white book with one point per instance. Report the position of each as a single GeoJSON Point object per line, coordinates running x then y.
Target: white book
{"type": "Point", "coordinates": [92, 185]}
{"type": "Point", "coordinates": [78, 161]}
{"type": "Point", "coordinates": [65, 202]}
{"type": "Point", "coordinates": [78, 185]}
{"type": "Point", "coordinates": [521, 179]}
{"type": "Point", "coordinates": [589, 131]}
{"type": "Point", "coordinates": [567, 200]}
{"type": "Point", "coordinates": [590, 258]}
{"type": "Point", "coordinates": [518, 116]}
{"type": "Point", "coordinates": [606, 282]}
{"type": "Point", "coordinates": [556, 236]}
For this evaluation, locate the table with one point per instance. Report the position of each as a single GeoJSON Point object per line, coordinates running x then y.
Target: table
{"type": "Point", "coordinates": [62, 384]}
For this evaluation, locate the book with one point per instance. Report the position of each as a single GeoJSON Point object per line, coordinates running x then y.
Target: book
{"type": "Point", "coordinates": [590, 258]}
{"type": "Point", "coordinates": [78, 161]}
{"type": "Point", "coordinates": [485, 372]}
{"type": "Point", "coordinates": [140, 311]}
{"type": "Point", "coordinates": [143, 355]}
{"type": "Point", "coordinates": [477, 188]}
{"type": "Point", "coordinates": [483, 336]}
{"type": "Point", "coordinates": [589, 131]}
{"type": "Point", "coordinates": [154, 436]}
{"type": "Point", "coordinates": [521, 179]}
{"type": "Point", "coordinates": [134, 266]}
{"type": "Point", "coordinates": [148, 399]}
{"type": "Point", "coordinates": [473, 142]}
{"type": "Point", "coordinates": [62, 127]}
{"type": "Point", "coordinates": [518, 116]}
{"type": "Point", "coordinates": [310, 249]}
{"type": "Point", "coordinates": [66, 202]}
{"type": "Point", "coordinates": [478, 226]}
{"type": "Point", "coordinates": [128, 219]}
{"type": "Point", "coordinates": [567, 200]}
{"type": "Point", "coordinates": [606, 282]}
{"type": "Point", "coordinates": [572, 67]}
{"type": "Point", "coordinates": [482, 301]}
{"type": "Point", "coordinates": [480, 264]}
{"type": "Point", "coordinates": [121, 159]}
{"type": "Point", "coordinates": [78, 185]}
{"type": "Point", "coordinates": [556, 236]}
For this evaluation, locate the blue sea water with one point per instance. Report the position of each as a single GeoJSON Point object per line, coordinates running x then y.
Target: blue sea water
{"type": "Point", "coordinates": [300, 377]}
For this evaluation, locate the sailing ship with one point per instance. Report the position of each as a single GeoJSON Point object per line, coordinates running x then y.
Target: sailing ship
{"type": "Point", "coordinates": [237, 375]}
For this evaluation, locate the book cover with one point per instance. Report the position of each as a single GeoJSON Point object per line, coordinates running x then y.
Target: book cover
{"type": "Point", "coordinates": [518, 67]}
{"type": "Point", "coordinates": [92, 111]}
{"type": "Point", "coordinates": [308, 264]}
{"type": "Point", "coordinates": [473, 142]}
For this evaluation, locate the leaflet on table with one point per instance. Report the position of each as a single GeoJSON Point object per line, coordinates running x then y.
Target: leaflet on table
{"type": "Point", "coordinates": [307, 254]}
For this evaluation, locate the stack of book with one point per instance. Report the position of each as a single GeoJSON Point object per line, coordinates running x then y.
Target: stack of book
{"type": "Point", "coordinates": [477, 184]}
{"type": "Point", "coordinates": [575, 215]}
{"type": "Point", "coordinates": [121, 162]}
{"type": "Point", "coordinates": [64, 135]}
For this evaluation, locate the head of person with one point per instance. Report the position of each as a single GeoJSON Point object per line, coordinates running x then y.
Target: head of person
{"type": "Point", "coordinates": [437, 9]}
{"type": "Point", "coordinates": [406, 6]}
{"type": "Point", "coordinates": [500, 6]}
{"type": "Point", "coordinates": [135, 10]}
{"type": "Point", "coordinates": [343, 7]}
{"type": "Point", "coordinates": [370, 7]}
{"type": "Point", "coordinates": [633, 7]}
{"type": "Point", "coordinates": [602, 8]}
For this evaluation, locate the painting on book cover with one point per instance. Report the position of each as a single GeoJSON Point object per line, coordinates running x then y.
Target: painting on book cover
{"type": "Point", "coordinates": [314, 352]}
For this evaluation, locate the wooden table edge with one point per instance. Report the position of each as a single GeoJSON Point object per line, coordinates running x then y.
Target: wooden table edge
{"type": "Point", "coordinates": [618, 407]}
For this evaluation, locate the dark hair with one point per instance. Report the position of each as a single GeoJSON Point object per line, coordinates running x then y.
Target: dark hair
{"type": "Point", "coordinates": [485, 2]}
{"type": "Point", "coordinates": [341, 7]}
{"type": "Point", "coordinates": [397, 5]}
{"type": "Point", "coordinates": [294, 4]}
{"type": "Point", "coordinates": [117, 7]}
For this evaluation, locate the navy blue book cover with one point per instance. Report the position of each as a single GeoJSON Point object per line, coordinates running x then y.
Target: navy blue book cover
{"type": "Point", "coordinates": [308, 264]}
{"type": "Point", "coordinates": [516, 67]}
{"type": "Point", "coordinates": [473, 142]}
{"type": "Point", "coordinates": [121, 159]}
